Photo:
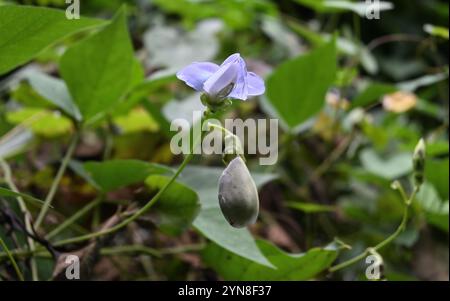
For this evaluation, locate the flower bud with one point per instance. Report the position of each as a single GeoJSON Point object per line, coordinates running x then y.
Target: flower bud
{"type": "Point", "coordinates": [419, 162]}
{"type": "Point", "coordinates": [238, 196]}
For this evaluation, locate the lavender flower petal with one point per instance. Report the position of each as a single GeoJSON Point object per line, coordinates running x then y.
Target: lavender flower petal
{"type": "Point", "coordinates": [195, 74]}
{"type": "Point", "coordinates": [255, 84]}
{"type": "Point", "coordinates": [230, 79]}
{"type": "Point", "coordinates": [240, 90]}
{"type": "Point", "coordinates": [232, 59]}
{"type": "Point", "coordinates": [222, 78]}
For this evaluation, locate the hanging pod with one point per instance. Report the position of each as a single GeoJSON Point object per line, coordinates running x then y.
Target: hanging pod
{"type": "Point", "coordinates": [238, 196]}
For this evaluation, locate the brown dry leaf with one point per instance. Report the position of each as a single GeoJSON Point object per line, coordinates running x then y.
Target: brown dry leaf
{"type": "Point", "coordinates": [399, 102]}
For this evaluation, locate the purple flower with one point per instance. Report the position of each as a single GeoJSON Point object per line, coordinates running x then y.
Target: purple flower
{"type": "Point", "coordinates": [230, 79]}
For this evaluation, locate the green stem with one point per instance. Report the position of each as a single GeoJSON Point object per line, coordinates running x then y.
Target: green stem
{"type": "Point", "coordinates": [54, 187]}
{"type": "Point", "coordinates": [385, 242]}
{"type": "Point", "coordinates": [11, 258]}
{"type": "Point", "coordinates": [135, 216]}
{"type": "Point", "coordinates": [146, 207]}
{"type": "Point", "coordinates": [68, 222]}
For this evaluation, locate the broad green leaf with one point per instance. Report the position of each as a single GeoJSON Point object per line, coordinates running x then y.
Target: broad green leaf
{"type": "Point", "coordinates": [9, 193]}
{"type": "Point", "coordinates": [137, 120]}
{"type": "Point", "coordinates": [99, 70]}
{"type": "Point", "coordinates": [438, 148]}
{"type": "Point", "coordinates": [303, 266]}
{"type": "Point", "coordinates": [211, 223]}
{"type": "Point", "coordinates": [372, 93]}
{"type": "Point", "coordinates": [437, 173]}
{"type": "Point", "coordinates": [55, 91]}
{"type": "Point", "coordinates": [78, 168]}
{"type": "Point", "coordinates": [45, 123]}
{"type": "Point", "coordinates": [114, 174]}
{"type": "Point", "coordinates": [311, 207]}
{"type": "Point", "coordinates": [27, 30]}
{"type": "Point", "coordinates": [297, 88]}
{"type": "Point", "coordinates": [177, 207]}
{"type": "Point", "coordinates": [390, 168]}
{"type": "Point", "coordinates": [436, 210]}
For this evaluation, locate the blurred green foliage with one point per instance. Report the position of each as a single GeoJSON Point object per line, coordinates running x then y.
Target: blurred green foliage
{"type": "Point", "coordinates": [353, 95]}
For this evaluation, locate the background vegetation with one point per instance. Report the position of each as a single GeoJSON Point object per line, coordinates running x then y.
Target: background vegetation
{"type": "Point", "coordinates": [85, 107]}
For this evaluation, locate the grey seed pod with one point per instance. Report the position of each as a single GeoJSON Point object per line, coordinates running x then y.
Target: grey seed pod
{"type": "Point", "coordinates": [238, 196]}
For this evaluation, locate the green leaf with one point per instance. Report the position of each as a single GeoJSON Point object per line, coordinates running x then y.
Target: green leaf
{"type": "Point", "coordinates": [288, 266]}
{"type": "Point", "coordinates": [55, 91]}
{"type": "Point", "coordinates": [114, 174]}
{"type": "Point", "coordinates": [310, 207]}
{"type": "Point", "coordinates": [27, 30]}
{"type": "Point", "coordinates": [100, 69]}
{"type": "Point", "coordinates": [211, 223]}
{"type": "Point", "coordinates": [372, 93]}
{"type": "Point", "coordinates": [437, 173]}
{"type": "Point", "coordinates": [9, 193]}
{"type": "Point", "coordinates": [137, 120]}
{"type": "Point", "coordinates": [178, 206]}
{"type": "Point", "coordinates": [47, 123]}
{"type": "Point", "coordinates": [389, 168]}
{"type": "Point", "coordinates": [436, 210]}
{"type": "Point", "coordinates": [297, 88]}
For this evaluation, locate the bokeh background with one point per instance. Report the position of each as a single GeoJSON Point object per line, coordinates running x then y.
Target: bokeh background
{"type": "Point", "coordinates": [348, 130]}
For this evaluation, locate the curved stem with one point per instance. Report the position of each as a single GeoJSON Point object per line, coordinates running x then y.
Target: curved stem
{"type": "Point", "coordinates": [74, 217]}
{"type": "Point", "coordinates": [135, 216]}
{"type": "Point", "coordinates": [55, 183]}
{"type": "Point", "coordinates": [386, 241]}
{"type": "Point", "coordinates": [11, 258]}
{"type": "Point", "coordinates": [393, 38]}
{"type": "Point", "coordinates": [147, 206]}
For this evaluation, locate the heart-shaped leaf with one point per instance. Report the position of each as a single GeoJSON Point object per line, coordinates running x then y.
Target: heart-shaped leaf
{"type": "Point", "coordinates": [288, 266]}
{"type": "Point", "coordinates": [100, 69]}
{"type": "Point", "coordinates": [27, 30]}
{"type": "Point", "coordinates": [177, 207]}
{"type": "Point", "coordinates": [297, 88]}
{"type": "Point", "coordinates": [114, 174]}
